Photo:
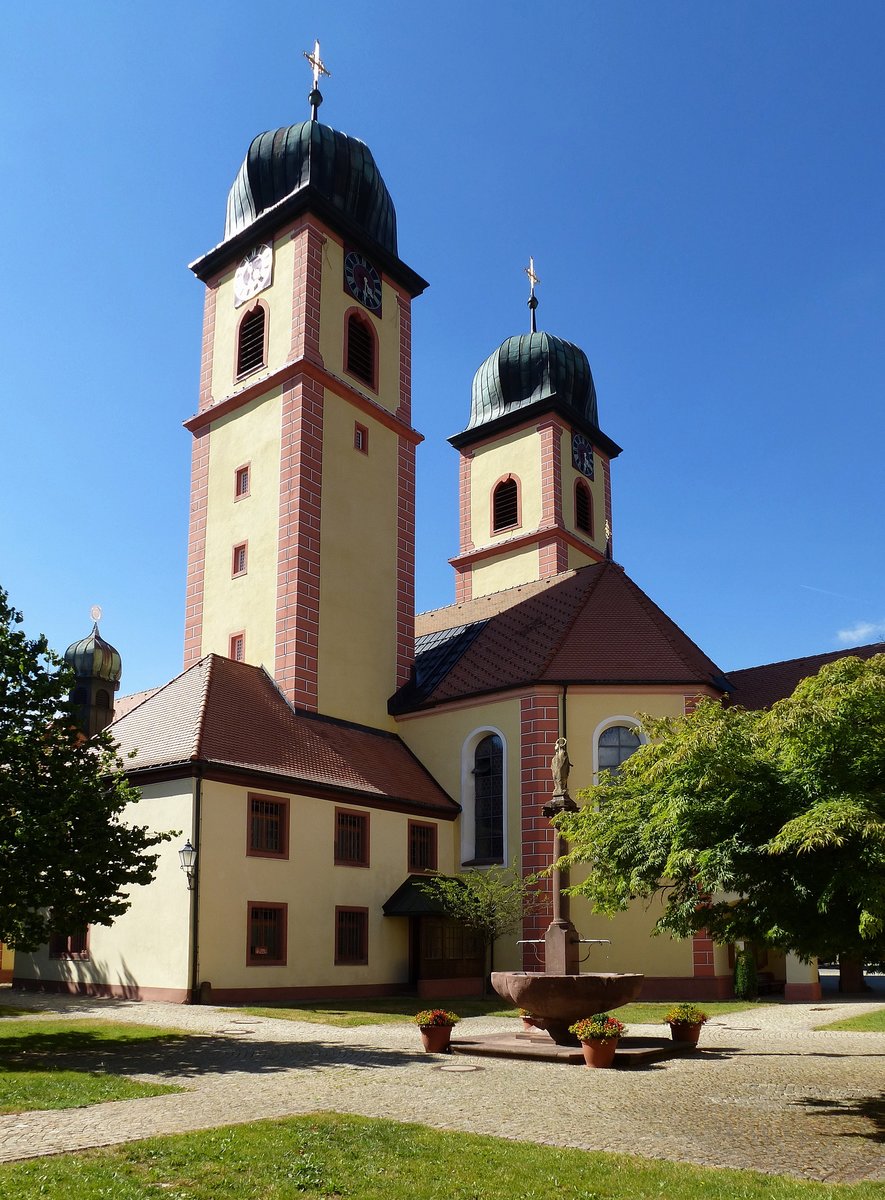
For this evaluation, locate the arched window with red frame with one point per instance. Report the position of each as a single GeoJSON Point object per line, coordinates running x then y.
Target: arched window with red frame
{"type": "Point", "coordinates": [361, 349]}
{"type": "Point", "coordinates": [252, 341]}
{"type": "Point", "coordinates": [583, 508]}
{"type": "Point", "coordinates": [505, 504]}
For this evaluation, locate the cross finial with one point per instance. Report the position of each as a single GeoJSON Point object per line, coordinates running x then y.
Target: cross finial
{"type": "Point", "coordinates": [533, 299]}
{"type": "Point", "coordinates": [319, 68]}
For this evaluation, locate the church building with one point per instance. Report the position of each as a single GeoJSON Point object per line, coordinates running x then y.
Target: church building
{"type": "Point", "coordinates": [323, 748]}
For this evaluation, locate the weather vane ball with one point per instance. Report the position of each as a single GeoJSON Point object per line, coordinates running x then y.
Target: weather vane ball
{"type": "Point", "coordinates": [95, 612]}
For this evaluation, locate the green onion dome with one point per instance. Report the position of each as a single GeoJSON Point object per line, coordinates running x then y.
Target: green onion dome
{"type": "Point", "coordinates": [528, 369]}
{"type": "Point", "coordinates": [94, 658]}
{"type": "Point", "coordinates": [281, 162]}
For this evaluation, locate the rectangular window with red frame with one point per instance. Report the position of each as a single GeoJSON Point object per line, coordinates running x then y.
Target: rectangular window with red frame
{"type": "Point", "coordinates": [241, 482]}
{"type": "Point", "coordinates": [266, 932]}
{"type": "Point", "coordinates": [240, 560]}
{"type": "Point", "coordinates": [268, 832]}
{"type": "Point", "coordinates": [422, 846]}
{"type": "Point", "coordinates": [70, 945]}
{"type": "Point", "coordinates": [351, 838]}
{"type": "Point", "coordinates": [237, 647]}
{"type": "Point", "coordinates": [351, 936]}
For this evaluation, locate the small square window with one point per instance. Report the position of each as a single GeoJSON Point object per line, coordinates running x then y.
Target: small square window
{"type": "Point", "coordinates": [242, 481]}
{"type": "Point", "coordinates": [351, 935]}
{"type": "Point", "coordinates": [266, 925]}
{"type": "Point", "coordinates": [268, 832]}
{"type": "Point", "coordinates": [351, 838]}
{"type": "Point", "coordinates": [237, 647]}
{"type": "Point", "coordinates": [70, 945]}
{"type": "Point", "coordinates": [240, 559]}
{"type": "Point", "coordinates": [360, 438]}
{"type": "Point", "coordinates": [422, 846]}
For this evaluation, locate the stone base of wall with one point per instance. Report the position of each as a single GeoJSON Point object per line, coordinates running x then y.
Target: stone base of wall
{"type": "Point", "coordinates": [449, 987]}
{"type": "Point", "coordinates": [116, 991]}
{"type": "Point", "coordinates": [802, 991]}
{"type": "Point", "coordinates": [682, 987]}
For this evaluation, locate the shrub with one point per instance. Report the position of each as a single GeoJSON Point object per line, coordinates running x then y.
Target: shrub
{"type": "Point", "coordinates": [746, 985]}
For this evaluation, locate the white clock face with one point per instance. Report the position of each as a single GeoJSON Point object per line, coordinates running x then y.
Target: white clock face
{"type": "Point", "coordinates": [253, 275]}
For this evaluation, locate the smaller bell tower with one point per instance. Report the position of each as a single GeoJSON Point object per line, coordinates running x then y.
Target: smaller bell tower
{"type": "Point", "coordinates": [97, 668]}
{"type": "Point", "coordinates": [535, 483]}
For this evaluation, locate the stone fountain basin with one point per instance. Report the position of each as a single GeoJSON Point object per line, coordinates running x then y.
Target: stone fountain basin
{"type": "Point", "coordinates": [566, 996]}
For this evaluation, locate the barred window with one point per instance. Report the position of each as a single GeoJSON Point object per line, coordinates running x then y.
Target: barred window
{"type": "Point", "coordinates": [422, 846]}
{"type": "Point", "coordinates": [239, 563]}
{"type": "Point", "coordinates": [505, 505]}
{"type": "Point", "coordinates": [360, 349]}
{"type": "Point", "coordinates": [488, 774]}
{"type": "Point", "coordinates": [250, 343]}
{"type": "Point", "coordinates": [267, 934]}
{"type": "Point", "coordinates": [241, 483]}
{"type": "Point", "coordinates": [351, 838]}
{"type": "Point", "coordinates": [70, 945]}
{"type": "Point", "coordinates": [351, 935]}
{"type": "Point", "coordinates": [268, 826]}
{"type": "Point", "coordinates": [237, 647]}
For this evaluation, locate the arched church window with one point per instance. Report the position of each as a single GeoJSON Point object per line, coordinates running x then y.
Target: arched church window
{"type": "Point", "coordinates": [505, 504]}
{"type": "Point", "coordinates": [251, 341]}
{"type": "Point", "coordinates": [583, 508]}
{"type": "Point", "coordinates": [488, 811]}
{"type": "Point", "coordinates": [615, 746]}
{"type": "Point", "coordinates": [360, 350]}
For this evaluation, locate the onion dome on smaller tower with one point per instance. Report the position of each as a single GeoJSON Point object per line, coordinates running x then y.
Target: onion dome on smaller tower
{"type": "Point", "coordinates": [97, 668]}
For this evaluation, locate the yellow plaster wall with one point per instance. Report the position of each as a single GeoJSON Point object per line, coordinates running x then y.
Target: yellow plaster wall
{"type": "Point", "coordinates": [358, 540]}
{"type": "Point", "coordinates": [516, 454]}
{"type": "Point", "coordinates": [597, 491]}
{"type": "Point", "coordinates": [587, 708]}
{"type": "Point", "coordinates": [149, 945]}
{"type": "Point", "coordinates": [278, 298]}
{"type": "Point", "coordinates": [248, 602]}
{"type": "Point", "coordinates": [505, 571]}
{"type": "Point", "coordinates": [335, 302]}
{"type": "Point", "coordinates": [310, 884]}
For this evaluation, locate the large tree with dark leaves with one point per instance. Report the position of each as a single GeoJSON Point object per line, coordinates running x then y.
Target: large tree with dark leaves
{"type": "Point", "coordinates": [66, 856]}
{"type": "Point", "coordinates": [759, 826]}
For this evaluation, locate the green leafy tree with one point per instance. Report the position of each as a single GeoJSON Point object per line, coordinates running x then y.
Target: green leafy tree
{"type": "Point", "coordinates": [490, 902]}
{"type": "Point", "coordinates": [762, 827]}
{"type": "Point", "coordinates": [66, 857]}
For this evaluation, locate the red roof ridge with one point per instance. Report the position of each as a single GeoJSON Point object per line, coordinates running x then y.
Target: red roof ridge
{"type": "Point", "coordinates": [845, 652]}
{"type": "Point", "coordinates": [666, 626]}
{"type": "Point", "coordinates": [462, 611]}
{"type": "Point", "coordinates": [209, 661]}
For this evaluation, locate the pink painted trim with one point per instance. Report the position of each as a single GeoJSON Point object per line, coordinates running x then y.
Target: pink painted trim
{"type": "Point", "coordinates": [552, 556]}
{"type": "Point", "coordinates": [605, 467]}
{"type": "Point", "coordinates": [208, 350]}
{"type": "Point", "coordinates": [539, 729]}
{"type": "Point", "coordinates": [298, 551]}
{"type": "Point", "coordinates": [121, 991]}
{"type": "Point", "coordinates": [404, 408]}
{"type": "Point", "coordinates": [405, 560]}
{"type": "Point", "coordinates": [360, 314]}
{"type": "Point", "coordinates": [702, 955]}
{"type": "Point", "coordinates": [798, 992]}
{"type": "Point", "coordinates": [522, 540]}
{"type": "Point", "coordinates": [465, 472]}
{"type": "Point", "coordinates": [238, 377]}
{"type": "Point", "coordinates": [306, 291]}
{"type": "Point", "coordinates": [196, 551]}
{"type": "Point", "coordinates": [550, 433]}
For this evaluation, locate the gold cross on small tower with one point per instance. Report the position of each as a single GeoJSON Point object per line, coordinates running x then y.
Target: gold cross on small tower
{"type": "Point", "coordinates": [533, 299]}
{"type": "Point", "coordinates": [319, 68]}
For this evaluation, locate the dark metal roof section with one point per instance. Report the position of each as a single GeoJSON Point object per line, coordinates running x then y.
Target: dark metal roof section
{"type": "Point", "coordinates": [341, 168]}
{"type": "Point", "coordinates": [531, 368]}
{"type": "Point", "coordinates": [435, 655]}
{"type": "Point", "coordinates": [411, 900]}
{"type": "Point", "coordinates": [94, 658]}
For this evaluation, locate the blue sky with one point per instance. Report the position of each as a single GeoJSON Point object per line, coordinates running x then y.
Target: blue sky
{"type": "Point", "coordinates": [701, 186]}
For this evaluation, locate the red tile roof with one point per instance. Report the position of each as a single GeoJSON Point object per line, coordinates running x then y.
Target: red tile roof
{"type": "Point", "coordinates": [760, 687]}
{"type": "Point", "coordinates": [593, 625]}
{"type": "Point", "coordinates": [232, 715]}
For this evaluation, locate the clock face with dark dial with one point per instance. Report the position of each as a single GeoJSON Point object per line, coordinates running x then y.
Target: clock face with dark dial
{"type": "Point", "coordinates": [253, 274]}
{"type": "Point", "coordinates": [362, 280]}
{"type": "Point", "coordinates": [582, 454]}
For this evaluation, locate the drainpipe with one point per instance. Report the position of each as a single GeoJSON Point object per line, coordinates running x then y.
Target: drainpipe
{"type": "Point", "coordinates": [195, 895]}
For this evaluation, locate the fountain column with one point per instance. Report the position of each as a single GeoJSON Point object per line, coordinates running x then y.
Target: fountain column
{"type": "Point", "coordinates": [561, 947]}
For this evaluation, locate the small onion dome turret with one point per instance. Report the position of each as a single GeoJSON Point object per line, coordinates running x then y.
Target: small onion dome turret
{"type": "Point", "coordinates": [527, 370]}
{"type": "Point", "coordinates": [341, 168]}
{"type": "Point", "coordinates": [94, 658]}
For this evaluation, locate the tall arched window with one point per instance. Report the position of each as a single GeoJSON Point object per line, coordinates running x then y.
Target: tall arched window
{"type": "Point", "coordinates": [615, 745]}
{"type": "Point", "coordinates": [488, 808]}
{"type": "Point", "coordinates": [360, 352]}
{"type": "Point", "coordinates": [251, 341]}
{"type": "Point", "coordinates": [505, 504]}
{"type": "Point", "coordinates": [583, 508]}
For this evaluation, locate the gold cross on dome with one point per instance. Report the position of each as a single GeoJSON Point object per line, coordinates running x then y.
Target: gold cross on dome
{"type": "Point", "coordinates": [530, 271]}
{"type": "Point", "coordinates": [319, 67]}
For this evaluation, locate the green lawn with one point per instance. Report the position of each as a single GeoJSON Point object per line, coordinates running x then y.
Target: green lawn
{"type": "Point", "coordinates": [360, 1158]}
{"type": "Point", "coordinates": [871, 1022]}
{"type": "Point", "coordinates": [393, 1010]}
{"type": "Point", "coordinates": [52, 1064]}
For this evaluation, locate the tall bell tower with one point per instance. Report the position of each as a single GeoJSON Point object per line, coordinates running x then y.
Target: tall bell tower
{"type": "Point", "coordinates": [301, 545]}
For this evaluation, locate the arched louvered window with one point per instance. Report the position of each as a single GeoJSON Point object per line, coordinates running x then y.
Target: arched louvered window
{"type": "Point", "coordinates": [488, 812]}
{"type": "Point", "coordinates": [251, 341]}
{"type": "Point", "coordinates": [505, 505]}
{"type": "Point", "coordinates": [360, 358]}
{"type": "Point", "coordinates": [583, 508]}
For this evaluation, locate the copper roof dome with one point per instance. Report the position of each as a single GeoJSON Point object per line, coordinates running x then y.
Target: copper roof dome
{"type": "Point", "coordinates": [94, 658]}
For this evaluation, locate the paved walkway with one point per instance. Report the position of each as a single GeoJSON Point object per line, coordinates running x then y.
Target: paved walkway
{"type": "Point", "coordinates": [767, 1093]}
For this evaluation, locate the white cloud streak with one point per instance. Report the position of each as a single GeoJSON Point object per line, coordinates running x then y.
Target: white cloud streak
{"type": "Point", "coordinates": [863, 631]}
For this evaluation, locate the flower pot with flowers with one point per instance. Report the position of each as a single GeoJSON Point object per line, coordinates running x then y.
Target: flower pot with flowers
{"type": "Point", "coordinates": [436, 1029]}
{"type": "Point", "coordinates": [598, 1036]}
{"type": "Point", "coordinates": [685, 1021]}
{"type": "Point", "coordinates": [528, 1021]}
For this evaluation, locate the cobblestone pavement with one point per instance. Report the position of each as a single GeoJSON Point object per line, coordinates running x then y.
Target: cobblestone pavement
{"type": "Point", "coordinates": [766, 1093]}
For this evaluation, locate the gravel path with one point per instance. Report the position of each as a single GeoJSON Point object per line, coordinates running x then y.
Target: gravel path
{"type": "Point", "coordinates": [766, 1093]}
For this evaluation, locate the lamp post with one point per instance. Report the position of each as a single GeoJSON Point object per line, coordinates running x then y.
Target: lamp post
{"type": "Point", "coordinates": [188, 858]}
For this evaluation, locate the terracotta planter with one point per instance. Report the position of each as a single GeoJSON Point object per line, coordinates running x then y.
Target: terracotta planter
{"type": "Point", "coordinates": [436, 1038]}
{"type": "Point", "coordinates": [529, 1025]}
{"type": "Point", "coordinates": [682, 1031]}
{"type": "Point", "coordinates": [600, 1052]}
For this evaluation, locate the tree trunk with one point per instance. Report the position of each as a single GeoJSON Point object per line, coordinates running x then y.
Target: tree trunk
{"type": "Point", "coordinates": [851, 974]}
